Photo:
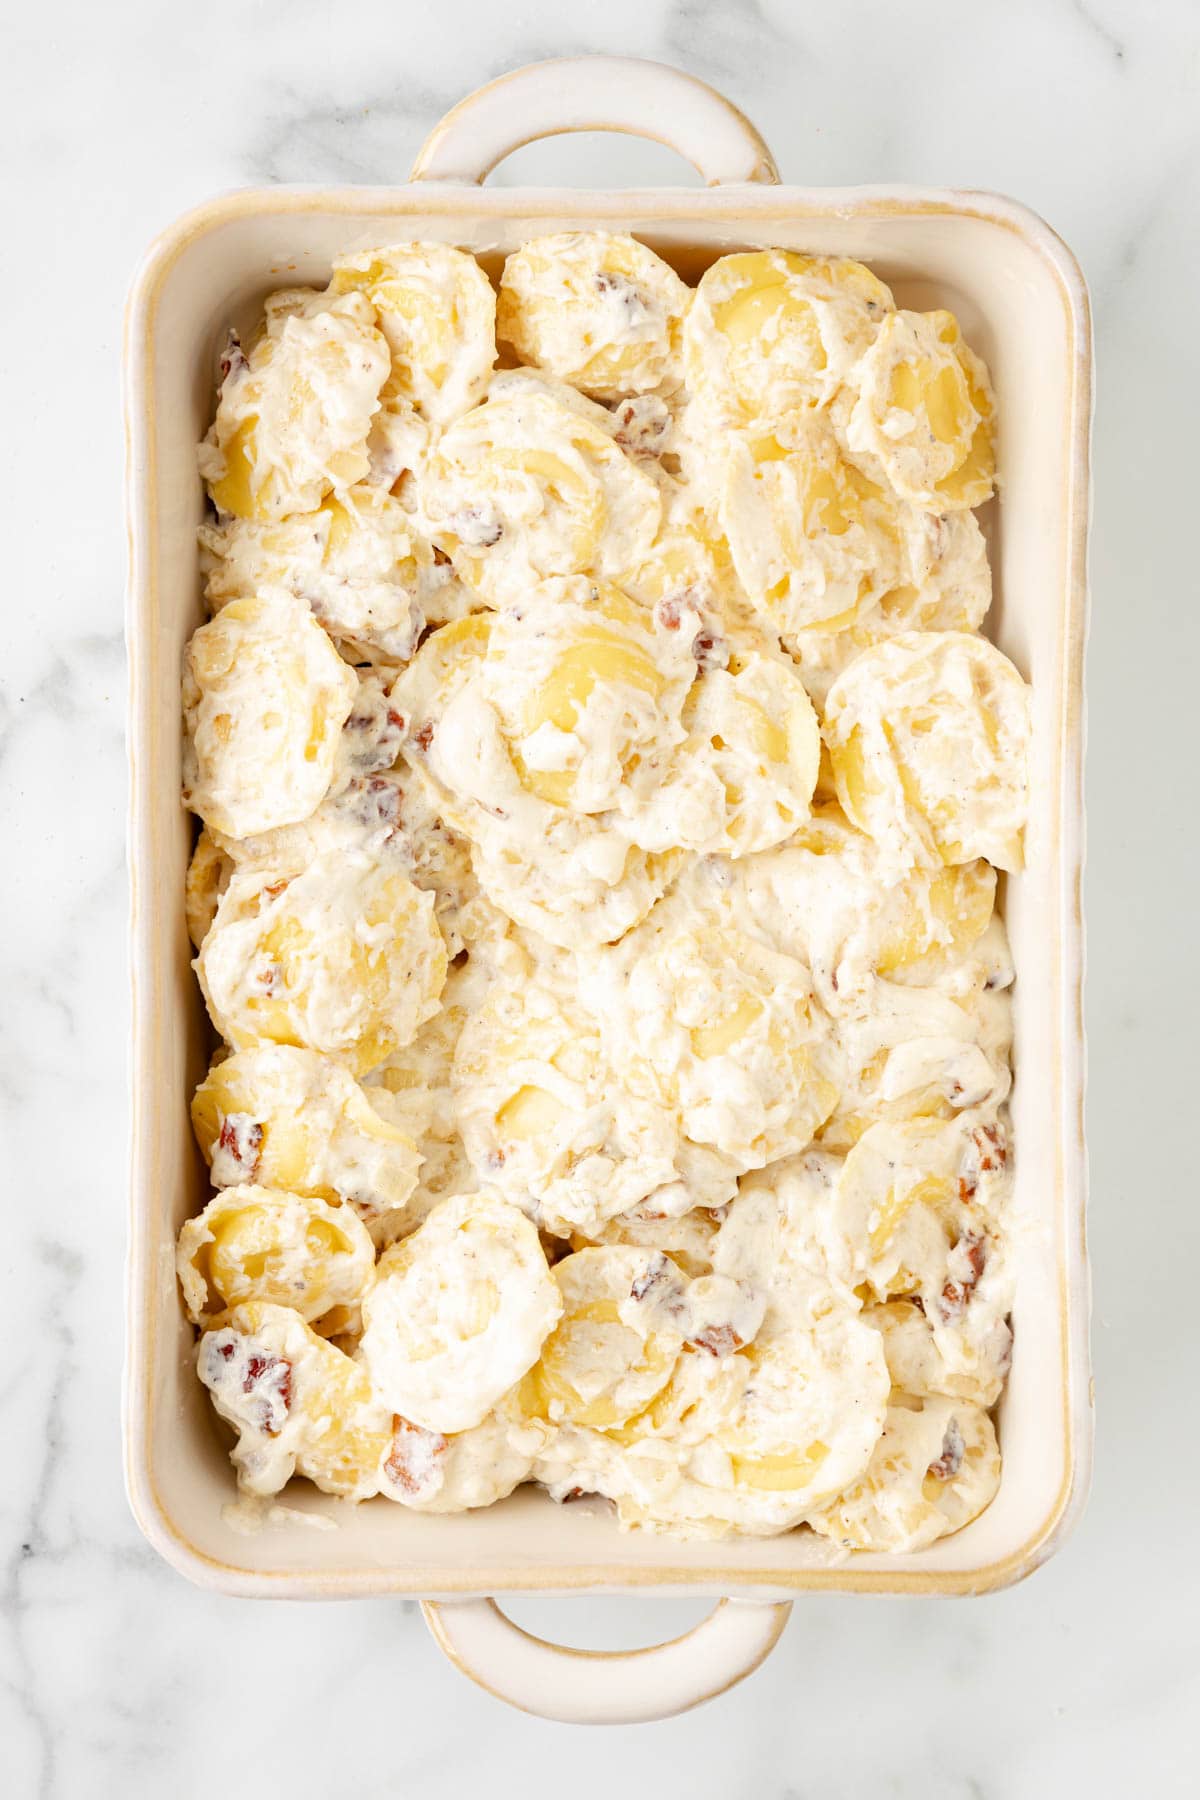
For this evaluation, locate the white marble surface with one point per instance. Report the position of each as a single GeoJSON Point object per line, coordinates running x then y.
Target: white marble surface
{"type": "Point", "coordinates": [115, 1677]}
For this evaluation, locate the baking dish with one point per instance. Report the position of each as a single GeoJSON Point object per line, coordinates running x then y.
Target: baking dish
{"type": "Point", "coordinates": [1022, 302]}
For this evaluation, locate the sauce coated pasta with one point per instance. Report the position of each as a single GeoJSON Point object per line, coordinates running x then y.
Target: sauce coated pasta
{"type": "Point", "coordinates": [602, 780]}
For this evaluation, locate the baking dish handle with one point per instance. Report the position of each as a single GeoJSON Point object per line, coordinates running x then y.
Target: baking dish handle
{"type": "Point", "coordinates": [606, 1687]}
{"type": "Point", "coordinates": [595, 93]}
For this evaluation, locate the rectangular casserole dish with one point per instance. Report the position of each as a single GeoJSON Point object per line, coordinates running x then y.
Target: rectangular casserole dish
{"type": "Point", "coordinates": [1022, 303]}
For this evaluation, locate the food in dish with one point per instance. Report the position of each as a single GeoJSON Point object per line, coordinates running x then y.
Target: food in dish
{"type": "Point", "coordinates": [265, 696]}
{"type": "Point", "coordinates": [596, 309]}
{"type": "Point", "coordinates": [458, 1312]}
{"type": "Point", "coordinates": [603, 782]}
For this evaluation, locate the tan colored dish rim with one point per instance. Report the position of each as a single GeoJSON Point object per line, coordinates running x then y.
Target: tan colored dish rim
{"type": "Point", "coordinates": [750, 207]}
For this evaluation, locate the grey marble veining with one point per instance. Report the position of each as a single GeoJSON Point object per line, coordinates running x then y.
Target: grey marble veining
{"type": "Point", "coordinates": [117, 1678]}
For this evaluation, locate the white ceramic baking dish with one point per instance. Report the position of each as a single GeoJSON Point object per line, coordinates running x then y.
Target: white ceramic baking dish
{"type": "Point", "coordinates": [1023, 304]}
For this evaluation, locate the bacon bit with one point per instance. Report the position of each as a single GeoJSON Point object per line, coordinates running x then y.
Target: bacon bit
{"type": "Point", "coordinates": [388, 797]}
{"type": "Point", "coordinates": [630, 296]}
{"type": "Point", "coordinates": [718, 1340]}
{"type": "Point", "coordinates": [227, 1350]}
{"type": "Point", "coordinates": [414, 1456]}
{"type": "Point", "coordinates": [641, 425]}
{"type": "Point", "coordinates": [654, 1273]}
{"type": "Point", "coordinates": [670, 610]}
{"type": "Point", "coordinates": [977, 1256]}
{"type": "Point", "coordinates": [659, 1282]}
{"type": "Point", "coordinates": [241, 1139]}
{"type": "Point", "coordinates": [424, 737]}
{"type": "Point", "coordinates": [986, 1154]}
{"type": "Point", "coordinates": [269, 1379]}
{"type": "Point", "coordinates": [374, 800]}
{"type": "Point", "coordinates": [710, 651]}
{"type": "Point", "coordinates": [946, 1466]}
{"type": "Point", "coordinates": [233, 360]}
{"type": "Point", "coordinates": [956, 1295]}
{"type": "Point", "coordinates": [993, 1151]}
{"type": "Point", "coordinates": [375, 733]}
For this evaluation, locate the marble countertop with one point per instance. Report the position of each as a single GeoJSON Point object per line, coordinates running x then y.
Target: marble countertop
{"type": "Point", "coordinates": [115, 1676]}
